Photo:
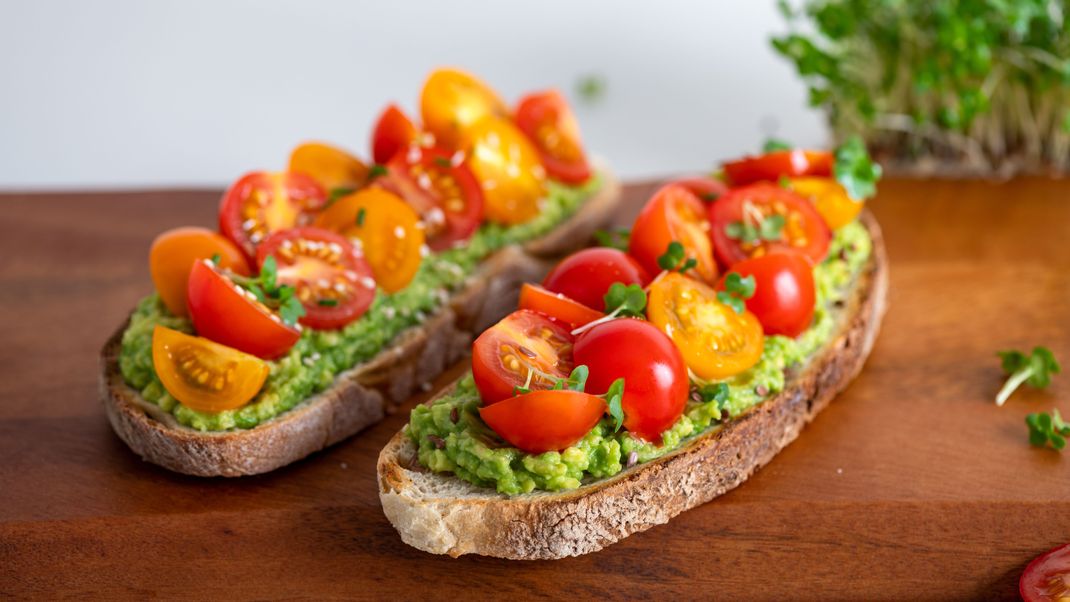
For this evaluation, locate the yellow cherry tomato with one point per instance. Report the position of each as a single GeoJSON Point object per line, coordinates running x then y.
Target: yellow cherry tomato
{"type": "Point", "coordinates": [829, 198]}
{"type": "Point", "coordinates": [452, 100]}
{"type": "Point", "coordinates": [204, 375]}
{"type": "Point", "coordinates": [508, 169]}
{"type": "Point", "coordinates": [171, 259]}
{"type": "Point", "coordinates": [331, 167]}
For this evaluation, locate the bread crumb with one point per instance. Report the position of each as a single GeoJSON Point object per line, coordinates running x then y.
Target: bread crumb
{"type": "Point", "coordinates": [839, 471]}
{"type": "Point", "coordinates": [344, 465]}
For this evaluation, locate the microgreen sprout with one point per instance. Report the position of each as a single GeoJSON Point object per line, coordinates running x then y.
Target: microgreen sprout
{"type": "Point", "coordinates": [1034, 369]}
{"type": "Point", "coordinates": [675, 259]}
{"type": "Point", "coordinates": [737, 290]}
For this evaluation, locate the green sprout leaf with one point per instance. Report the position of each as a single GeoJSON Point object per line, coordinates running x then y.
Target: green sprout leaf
{"type": "Point", "coordinates": [625, 300]}
{"type": "Point", "coordinates": [376, 171]}
{"type": "Point", "coordinates": [361, 213]}
{"type": "Point", "coordinates": [770, 228]}
{"type": "Point", "coordinates": [675, 259]}
{"type": "Point", "coordinates": [1035, 370]}
{"type": "Point", "coordinates": [216, 258]}
{"type": "Point", "coordinates": [615, 402]}
{"type": "Point", "coordinates": [614, 239]}
{"type": "Point", "coordinates": [337, 193]}
{"type": "Point", "coordinates": [591, 88]}
{"type": "Point", "coordinates": [854, 169]}
{"type": "Point", "coordinates": [443, 162]}
{"type": "Point", "coordinates": [773, 145]}
{"type": "Point", "coordinates": [275, 296]}
{"type": "Point", "coordinates": [737, 289]}
{"type": "Point", "coordinates": [1047, 429]}
{"type": "Point", "coordinates": [327, 302]}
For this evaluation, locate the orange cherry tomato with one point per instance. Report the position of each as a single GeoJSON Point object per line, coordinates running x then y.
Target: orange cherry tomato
{"type": "Point", "coordinates": [548, 122]}
{"type": "Point", "coordinates": [205, 376]}
{"type": "Point", "coordinates": [261, 203]}
{"type": "Point", "coordinates": [716, 342]}
{"type": "Point", "coordinates": [452, 101]}
{"type": "Point", "coordinates": [829, 198]}
{"type": "Point", "coordinates": [507, 167]}
{"type": "Point", "coordinates": [393, 132]}
{"type": "Point", "coordinates": [524, 349]}
{"type": "Point", "coordinates": [557, 306]}
{"type": "Point", "coordinates": [674, 213]}
{"type": "Point", "coordinates": [747, 207]}
{"type": "Point", "coordinates": [388, 230]}
{"type": "Point", "coordinates": [331, 167]}
{"type": "Point", "coordinates": [173, 253]}
{"type": "Point", "coordinates": [543, 421]}
{"type": "Point", "coordinates": [770, 166]}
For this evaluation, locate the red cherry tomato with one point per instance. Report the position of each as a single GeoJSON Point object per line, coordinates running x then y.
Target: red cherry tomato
{"type": "Point", "coordinates": [770, 166]}
{"type": "Point", "coordinates": [706, 189]}
{"type": "Point", "coordinates": [557, 306]}
{"type": "Point", "coordinates": [655, 375]}
{"type": "Point", "coordinates": [525, 348]}
{"type": "Point", "coordinates": [586, 275]}
{"type": "Point", "coordinates": [546, 119]}
{"type": "Point", "coordinates": [223, 313]}
{"type": "Point", "coordinates": [1047, 578]}
{"type": "Point", "coordinates": [543, 421]}
{"type": "Point", "coordinates": [784, 296]}
{"type": "Point", "coordinates": [745, 208]}
{"type": "Point", "coordinates": [393, 132]}
{"type": "Point", "coordinates": [673, 214]}
{"type": "Point", "coordinates": [261, 203]}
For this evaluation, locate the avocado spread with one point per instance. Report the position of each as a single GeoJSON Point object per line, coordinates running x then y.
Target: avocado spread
{"type": "Point", "coordinates": [459, 442]}
{"type": "Point", "coordinates": [319, 355]}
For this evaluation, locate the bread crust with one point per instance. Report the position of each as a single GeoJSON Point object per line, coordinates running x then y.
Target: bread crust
{"type": "Point", "coordinates": [362, 395]}
{"type": "Point", "coordinates": [442, 514]}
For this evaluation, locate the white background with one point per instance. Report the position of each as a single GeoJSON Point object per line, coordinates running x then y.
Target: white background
{"type": "Point", "coordinates": [130, 93]}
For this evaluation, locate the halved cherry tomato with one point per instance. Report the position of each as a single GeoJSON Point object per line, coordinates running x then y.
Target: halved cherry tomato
{"type": "Point", "coordinates": [586, 275]}
{"type": "Point", "coordinates": [674, 213]}
{"type": "Point", "coordinates": [706, 189]}
{"type": "Point", "coordinates": [784, 295]}
{"type": "Point", "coordinates": [390, 236]}
{"type": "Point", "coordinates": [261, 203]}
{"type": "Point", "coordinates": [829, 198]}
{"type": "Point", "coordinates": [228, 315]}
{"type": "Point", "coordinates": [543, 421]}
{"type": "Point", "coordinates": [557, 306]}
{"type": "Point", "coordinates": [330, 279]}
{"type": "Point", "coordinates": [452, 101]}
{"type": "Point", "coordinates": [654, 372]}
{"type": "Point", "coordinates": [715, 341]}
{"type": "Point", "coordinates": [393, 132]}
{"type": "Point", "coordinates": [548, 122]}
{"type": "Point", "coordinates": [331, 167]}
{"type": "Point", "coordinates": [525, 348]}
{"type": "Point", "coordinates": [173, 253]}
{"type": "Point", "coordinates": [770, 166]}
{"type": "Point", "coordinates": [205, 376]}
{"type": "Point", "coordinates": [803, 230]}
{"type": "Point", "coordinates": [508, 169]}
{"type": "Point", "coordinates": [1047, 578]}
{"type": "Point", "coordinates": [441, 188]}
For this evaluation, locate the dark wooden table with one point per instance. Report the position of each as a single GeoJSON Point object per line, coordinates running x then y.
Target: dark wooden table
{"type": "Point", "coordinates": [913, 484]}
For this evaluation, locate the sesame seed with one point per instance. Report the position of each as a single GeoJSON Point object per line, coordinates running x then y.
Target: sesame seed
{"type": "Point", "coordinates": [399, 232]}
{"type": "Point", "coordinates": [367, 282]}
{"type": "Point", "coordinates": [424, 181]}
{"type": "Point", "coordinates": [457, 158]}
{"type": "Point", "coordinates": [414, 154]}
{"type": "Point", "coordinates": [425, 250]}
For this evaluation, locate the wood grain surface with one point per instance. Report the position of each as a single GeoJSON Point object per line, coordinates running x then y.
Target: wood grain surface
{"type": "Point", "coordinates": [912, 485]}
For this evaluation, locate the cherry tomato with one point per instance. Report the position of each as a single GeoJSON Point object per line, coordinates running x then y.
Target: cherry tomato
{"type": "Point", "coordinates": [706, 189]}
{"type": "Point", "coordinates": [226, 314]}
{"type": "Point", "coordinates": [1047, 578]}
{"type": "Point", "coordinates": [803, 229]}
{"type": "Point", "coordinates": [388, 232]}
{"type": "Point", "coordinates": [332, 168]}
{"type": "Point", "coordinates": [524, 349]}
{"type": "Point", "coordinates": [715, 341]}
{"type": "Point", "coordinates": [655, 375]}
{"type": "Point", "coordinates": [557, 306]}
{"type": "Point", "coordinates": [452, 101]}
{"type": "Point", "coordinates": [829, 198]}
{"type": "Point", "coordinates": [261, 203]}
{"type": "Point", "coordinates": [393, 132]}
{"type": "Point", "coordinates": [673, 214]}
{"type": "Point", "coordinates": [587, 274]}
{"type": "Point", "coordinates": [548, 122]}
{"type": "Point", "coordinates": [770, 166]}
{"type": "Point", "coordinates": [443, 191]}
{"type": "Point", "coordinates": [543, 421]}
{"type": "Point", "coordinates": [330, 279]}
{"type": "Point", "coordinates": [205, 376]}
{"type": "Point", "coordinates": [508, 169]}
{"type": "Point", "coordinates": [173, 253]}
{"type": "Point", "coordinates": [784, 296]}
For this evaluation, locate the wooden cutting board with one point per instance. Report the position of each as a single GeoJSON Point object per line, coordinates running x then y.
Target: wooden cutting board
{"type": "Point", "coordinates": [913, 484]}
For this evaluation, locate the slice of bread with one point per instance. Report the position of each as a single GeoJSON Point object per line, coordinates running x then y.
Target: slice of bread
{"type": "Point", "coordinates": [362, 395]}
{"type": "Point", "coordinates": [443, 514]}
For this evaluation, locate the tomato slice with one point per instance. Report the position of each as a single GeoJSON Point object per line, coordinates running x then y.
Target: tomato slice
{"type": "Point", "coordinates": [674, 213]}
{"type": "Point", "coordinates": [586, 275]}
{"type": "Point", "coordinates": [261, 203]}
{"type": "Point", "coordinates": [452, 101]}
{"type": "Point", "coordinates": [441, 188]}
{"type": "Point", "coordinates": [830, 199]}
{"type": "Point", "coordinates": [525, 348]}
{"type": "Point", "coordinates": [385, 229]}
{"type": "Point", "coordinates": [747, 207]}
{"type": "Point", "coordinates": [543, 421]}
{"type": "Point", "coordinates": [655, 376]}
{"type": "Point", "coordinates": [205, 376]}
{"type": "Point", "coordinates": [1047, 578]}
{"type": "Point", "coordinates": [508, 169]}
{"type": "Point", "coordinates": [331, 167]}
{"type": "Point", "coordinates": [784, 294]}
{"type": "Point", "coordinates": [330, 279]}
{"type": "Point", "coordinates": [225, 313]}
{"type": "Point", "coordinates": [715, 341]}
{"type": "Point", "coordinates": [393, 132]}
{"type": "Point", "coordinates": [557, 306]}
{"type": "Point", "coordinates": [706, 189]}
{"type": "Point", "coordinates": [548, 122]}
{"type": "Point", "coordinates": [173, 253]}
{"type": "Point", "coordinates": [770, 166]}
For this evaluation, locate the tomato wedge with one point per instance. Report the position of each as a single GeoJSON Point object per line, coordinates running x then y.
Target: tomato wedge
{"type": "Point", "coordinates": [205, 376]}
{"type": "Point", "coordinates": [388, 231]}
{"type": "Point", "coordinates": [225, 313]}
{"type": "Point", "coordinates": [738, 220]}
{"type": "Point", "coordinates": [173, 253]}
{"type": "Point", "coordinates": [524, 349]}
{"type": "Point", "coordinates": [770, 166]}
{"type": "Point", "coordinates": [261, 203]}
{"type": "Point", "coordinates": [784, 293]}
{"type": "Point", "coordinates": [331, 167]}
{"type": "Point", "coordinates": [452, 101]}
{"type": "Point", "coordinates": [393, 132]}
{"type": "Point", "coordinates": [1047, 578]}
{"type": "Point", "coordinates": [586, 275]}
{"type": "Point", "coordinates": [330, 279]}
{"type": "Point", "coordinates": [557, 306]}
{"type": "Point", "coordinates": [508, 169]}
{"type": "Point", "coordinates": [673, 214]}
{"type": "Point", "coordinates": [543, 421]}
{"type": "Point", "coordinates": [830, 199]}
{"type": "Point", "coordinates": [548, 122]}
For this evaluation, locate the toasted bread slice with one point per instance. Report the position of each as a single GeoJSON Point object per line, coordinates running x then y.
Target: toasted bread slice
{"type": "Point", "coordinates": [442, 514]}
{"type": "Point", "coordinates": [362, 395]}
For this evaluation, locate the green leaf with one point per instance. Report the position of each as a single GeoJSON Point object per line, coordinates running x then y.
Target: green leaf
{"type": "Point", "coordinates": [337, 193]}
{"type": "Point", "coordinates": [268, 274]}
{"type": "Point", "coordinates": [854, 169]}
{"type": "Point", "coordinates": [327, 302]}
{"type": "Point", "coordinates": [216, 258]}
{"type": "Point", "coordinates": [376, 171]}
{"type": "Point", "coordinates": [361, 213]}
{"type": "Point", "coordinates": [715, 392]}
{"type": "Point", "coordinates": [591, 88]}
{"type": "Point", "coordinates": [291, 308]}
{"type": "Point", "coordinates": [577, 379]}
{"type": "Point", "coordinates": [625, 300]}
{"type": "Point", "coordinates": [772, 227]}
{"type": "Point", "coordinates": [672, 257]}
{"type": "Point", "coordinates": [615, 401]}
{"type": "Point", "coordinates": [737, 288]}
{"type": "Point", "coordinates": [1047, 429]}
{"type": "Point", "coordinates": [1035, 370]}
{"type": "Point", "coordinates": [443, 162]}
{"type": "Point", "coordinates": [1012, 360]}
{"type": "Point", "coordinates": [774, 144]}
{"type": "Point", "coordinates": [614, 239]}
{"type": "Point", "coordinates": [1044, 365]}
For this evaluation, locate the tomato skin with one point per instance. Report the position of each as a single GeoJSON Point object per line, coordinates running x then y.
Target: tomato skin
{"type": "Point", "coordinates": [557, 306]}
{"type": "Point", "coordinates": [232, 378]}
{"type": "Point", "coordinates": [393, 132]}
{"type": "Point", "coordinates": [548, 122]}
{"type": "Point", "coordinates": [784, 295]}
{"type": "Point", "coordinates": [508, 169]}
{"type": "Point", "coordinates": [543, 421]}
{"type": "Point", "coordinates": [331, 167]}
{"type": "Point", "coordinates": [770, 166]}
{"type": "Point", "coordinates": [452, 100]}
{"type": "Point", "coordinates": [222, 314]}
{"type": "Point", "coordinates": [674, 213]}
{"type": "Point", "coordinates": [706, 189]}
{"type": "Point", "coordinates": [587, 274]}
{"type": "Point", "coordinates": [830, 199]}
{"type": "Point", "coordinates": [1047, 577]}
{"type": "Point", "coordinates": [261, 203]}
{"type": "Point", "coordinates": [173, 253]}
{"type": "Point", "coordinates": [500, 364]}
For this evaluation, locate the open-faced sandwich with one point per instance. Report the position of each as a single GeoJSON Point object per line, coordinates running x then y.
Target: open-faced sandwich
{"type": "Point", "coordinates": [333, 289]}
{"type": "Point", "coordinates": [638, 382]}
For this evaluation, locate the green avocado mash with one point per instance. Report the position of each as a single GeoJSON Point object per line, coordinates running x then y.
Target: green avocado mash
{"type": "Point", "coordinates": [319, 355]}
{"type": "Point", "coordinates": [460, 443]}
